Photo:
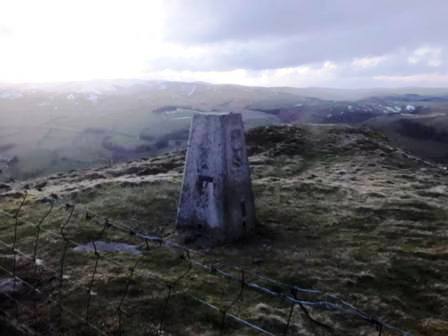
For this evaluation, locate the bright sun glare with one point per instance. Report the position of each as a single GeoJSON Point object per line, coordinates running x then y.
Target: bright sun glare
{"type": "Point", "coordinates": [54, 40]}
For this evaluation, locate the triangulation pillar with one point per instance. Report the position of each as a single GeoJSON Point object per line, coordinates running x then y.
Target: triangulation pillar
{"type": "Point", "coordinates": [216, 200]}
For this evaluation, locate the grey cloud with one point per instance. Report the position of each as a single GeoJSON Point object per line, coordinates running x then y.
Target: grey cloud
{"type": "Point", "coordinates": [272, 33]}
{"type": "Point", "coordinates": [210, 21]}
{"type": "Point", "coordinates": [204, 21]}
{"type": "Point", "coordinates": [290, 52]}
{"type": "Point", "coordinates": [268, 34]}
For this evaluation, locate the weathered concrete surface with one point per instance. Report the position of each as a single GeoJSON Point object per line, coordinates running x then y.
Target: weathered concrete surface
{"type": "Point", "coordinates": [216, 198]}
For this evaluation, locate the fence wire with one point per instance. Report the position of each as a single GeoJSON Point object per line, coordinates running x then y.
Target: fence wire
{"type": "Point", "coordinates": [52, 281]}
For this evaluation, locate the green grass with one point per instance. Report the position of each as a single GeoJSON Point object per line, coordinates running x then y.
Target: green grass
{"type": "Point", "coordinates": [317, 229]}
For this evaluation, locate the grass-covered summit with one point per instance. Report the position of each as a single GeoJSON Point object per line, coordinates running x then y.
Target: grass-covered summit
{"type": "Point", "coordinates": [339, 210]}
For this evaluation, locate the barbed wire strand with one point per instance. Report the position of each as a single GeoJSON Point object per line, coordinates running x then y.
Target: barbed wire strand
{"type": "Point", "coordinates": [233, 302]}
{"type": "Point", "coordinates": [119, 309]}
{"type": "Point", "coordinates": [39, 292]}
{"type": "Point", "coordinates": [288, 320]}
{"type": "Point", "coordinates": [14, 243]}
{"type": "Point", "coordinates": [71, 209]}
{"type": "Point", "coordinates": [38, 229]}
{"type": "Point", "coordinates": [341, 307]}
{"type": "Point", "coordinates": [70, 241]}
{"type": "Point", "coordinates": [95, 267]}
{"type": "Point", "coordinates": [172, 285]}
{"type": "Point", "coordinates": [232, 316]}
{"type": "Point", "coordinates": [14, 322]}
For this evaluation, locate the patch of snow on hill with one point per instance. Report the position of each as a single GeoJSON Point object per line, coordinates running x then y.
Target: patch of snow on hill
{"type": "Point", "coordinates": [390, 109]}
{"type": "Point", "coordinates": [192, 91]}
{"type": "Point", "coordinates": [10, 95]}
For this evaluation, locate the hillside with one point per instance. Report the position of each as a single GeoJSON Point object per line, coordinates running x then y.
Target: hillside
{"type": "Point", "coordinates": [425, 135]}
{"type": "Point", "coordinates": [48, 128]}
{"type": "Point", "coordinates": [340, 210]}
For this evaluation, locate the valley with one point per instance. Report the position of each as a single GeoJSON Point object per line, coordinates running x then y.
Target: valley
{"type": "Point", "coordinates": [59, 127]}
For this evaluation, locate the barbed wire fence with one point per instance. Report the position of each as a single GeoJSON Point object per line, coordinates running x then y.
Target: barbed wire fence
{"type": "Point", "coordinates": [49, 289]}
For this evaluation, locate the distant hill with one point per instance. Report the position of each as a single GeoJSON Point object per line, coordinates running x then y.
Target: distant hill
{"type": "Point", "coordinates": [62, 126]}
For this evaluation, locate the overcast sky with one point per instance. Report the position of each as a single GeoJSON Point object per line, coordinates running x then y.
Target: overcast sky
{"type": "Point", "coordinates": [332, 43]}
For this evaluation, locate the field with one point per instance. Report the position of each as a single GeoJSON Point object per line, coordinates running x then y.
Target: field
{"type": "Point", "coordinates": [341, 212]}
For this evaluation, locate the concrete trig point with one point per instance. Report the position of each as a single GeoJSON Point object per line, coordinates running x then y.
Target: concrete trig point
{"type": "Point", "coordinates": [216, 199]}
